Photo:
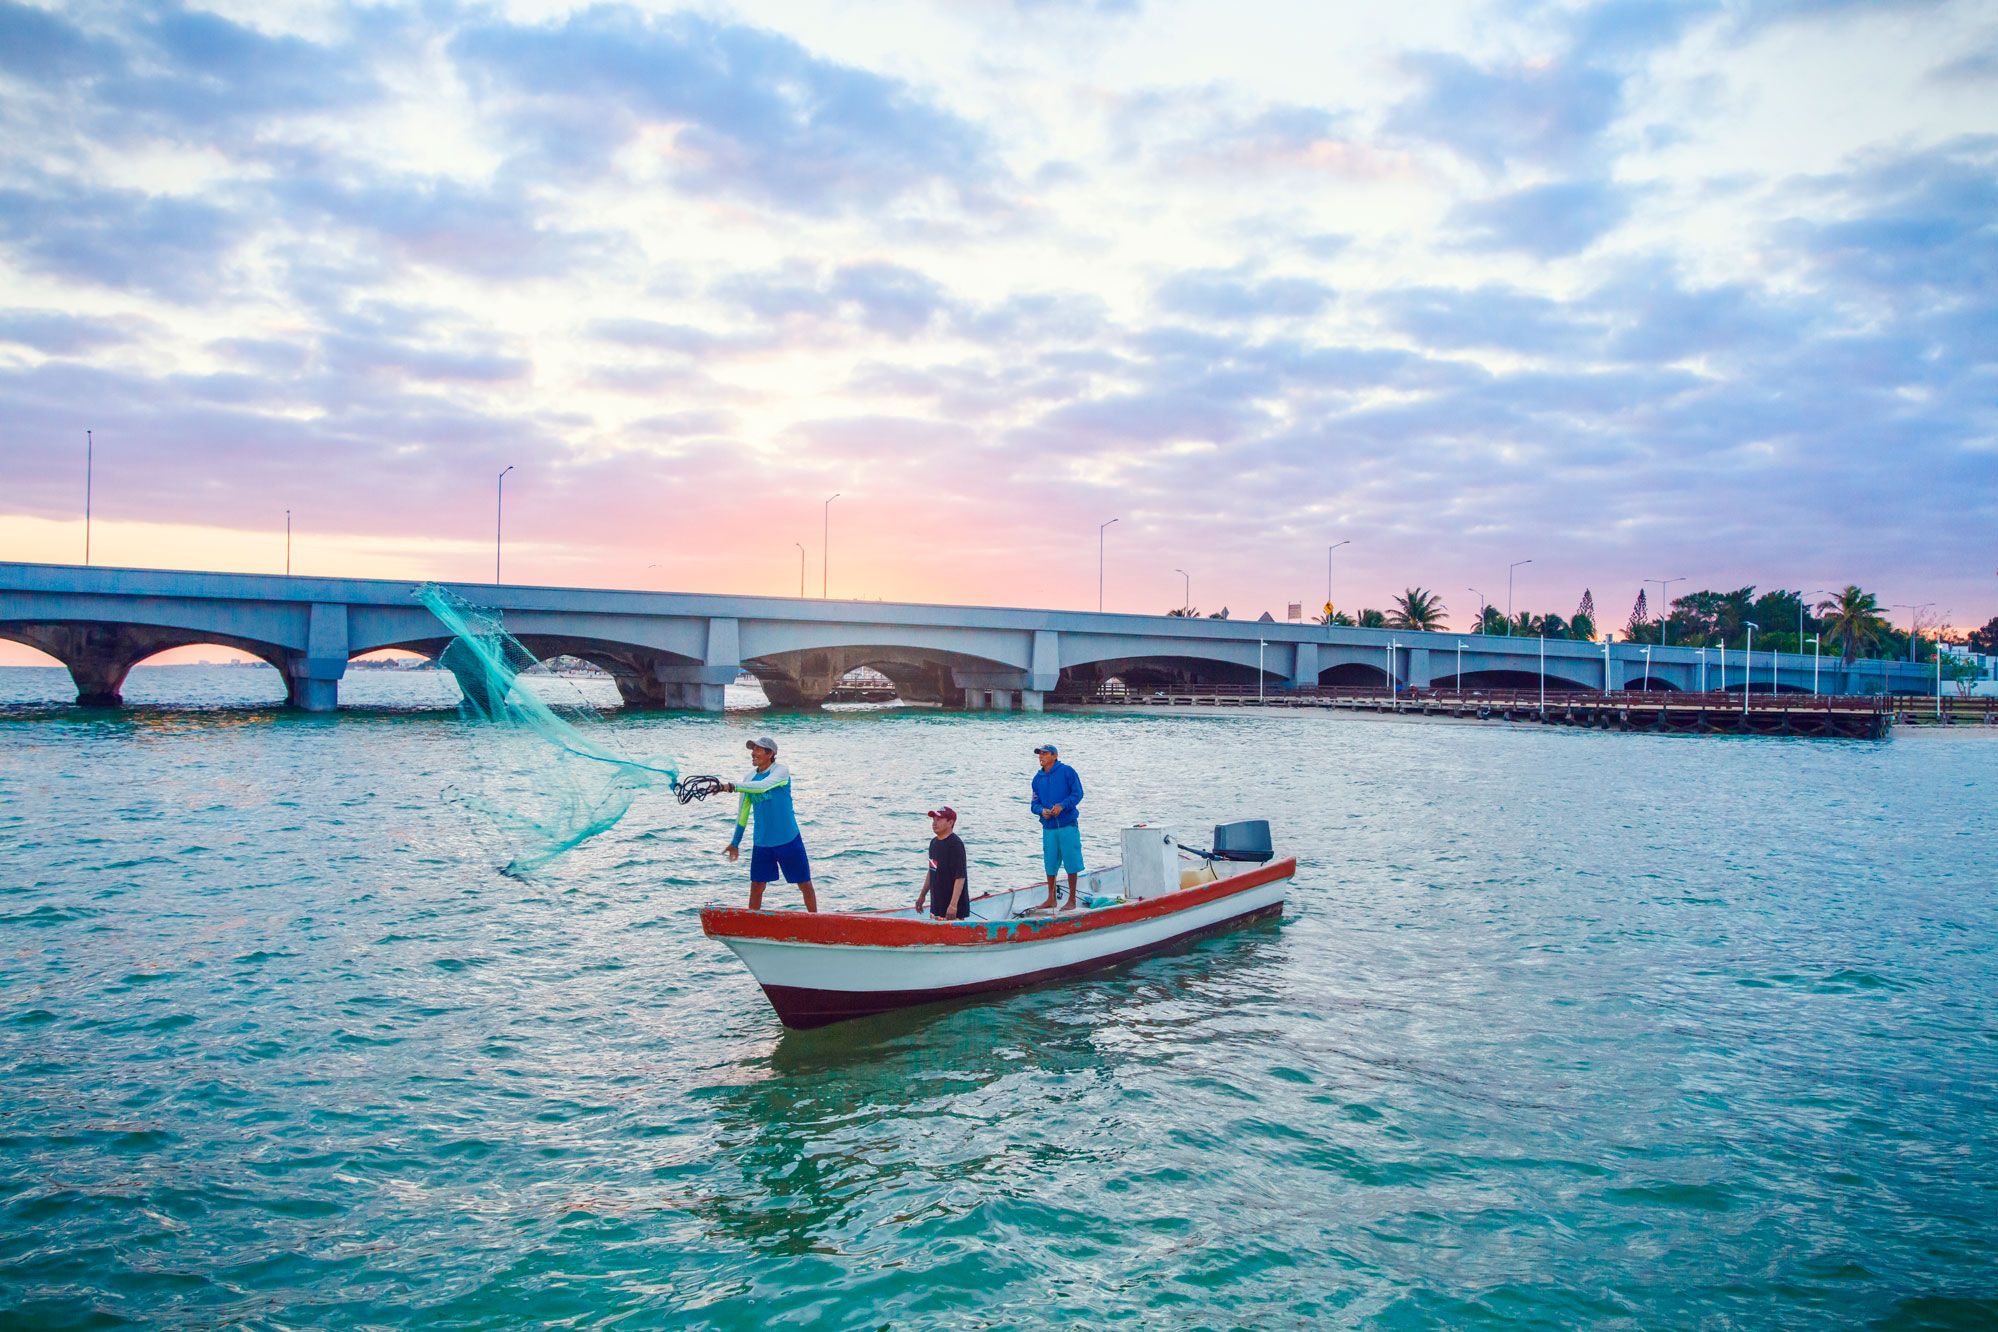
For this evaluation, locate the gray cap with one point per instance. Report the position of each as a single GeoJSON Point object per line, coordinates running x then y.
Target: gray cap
{"type": "Point", "coordinates": [762, 742]}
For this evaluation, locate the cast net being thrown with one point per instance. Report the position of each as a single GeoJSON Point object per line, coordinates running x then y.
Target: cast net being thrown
{"type": "Point", "coordinates": [552, 779]}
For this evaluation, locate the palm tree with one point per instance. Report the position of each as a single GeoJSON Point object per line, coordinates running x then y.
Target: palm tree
{"type": "Point", "coordinates": [1852, 622]}
{"type": "Point", "coordinates": [1178, 612]}
{"type": "Point", "coordinates": [1372, 619]}
{"type": "Point", "coordinates": [1417, 609]}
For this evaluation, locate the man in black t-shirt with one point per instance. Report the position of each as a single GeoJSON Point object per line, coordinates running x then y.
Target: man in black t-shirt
{"type": "Point", "coordinates": [946, 886]}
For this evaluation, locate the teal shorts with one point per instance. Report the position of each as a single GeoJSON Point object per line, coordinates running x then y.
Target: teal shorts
{"type": "Point", "coordinates": [1062, 847]}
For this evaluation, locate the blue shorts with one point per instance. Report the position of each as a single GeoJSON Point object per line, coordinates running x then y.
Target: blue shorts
{"type": "Point", "coordinates": [765, 861]}
{"type": "Point", "coordinates": [1062, 847]}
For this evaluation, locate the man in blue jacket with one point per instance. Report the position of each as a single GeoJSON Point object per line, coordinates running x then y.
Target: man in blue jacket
{"type": "Point", "coordinates": [1057, 791]}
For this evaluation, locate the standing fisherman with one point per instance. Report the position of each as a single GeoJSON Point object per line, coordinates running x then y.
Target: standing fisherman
{"type": "Point", "coordinates": [778, 846]}
{"type": "Point", "coordinates": [1057, 791]}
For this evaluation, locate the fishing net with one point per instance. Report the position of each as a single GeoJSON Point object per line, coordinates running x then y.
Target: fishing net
{"type": "Point", "coordinates": [552, 781]}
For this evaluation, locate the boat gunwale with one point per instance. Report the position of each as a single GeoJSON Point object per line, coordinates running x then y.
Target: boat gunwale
{"type": "Point", "coordinates": [875, 928]}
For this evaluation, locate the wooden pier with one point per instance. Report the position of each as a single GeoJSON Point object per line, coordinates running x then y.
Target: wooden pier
{"type": "Point", "coordinates": [1868, 716]}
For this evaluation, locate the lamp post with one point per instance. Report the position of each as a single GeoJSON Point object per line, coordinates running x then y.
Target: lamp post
{"type": "Point", "coordinates": [1663, 584]}
{"type": "Point", "coordinates": [801, 569]}
{"type": "Point", "coordinates": [1647, 659]}
{"type": "Point", "coordinates": [287, 543]}
{"type": "Point", "coordinates": [1814, 663]}
{"type": "Point", "coordinates": [1460, 667]}
{"type": "Point", "coordinates": [1748, 666]}
{"type": "Point", "coordinates": [1186, 606]}
{"type": "Point", "coordinates": [1394, 690]}
{"type": "Point", "coordinates": [1101, 529]}
{"type": "Point", "coordinates": [1606, 665]}
{"type": "Point", "coordinates": [1703, 670]}
{"type": "Point", "coordinates": [1328, 576]}
{"type": "Point", "coordinates": [825, 546]}
{"type": "Point", "coordinates": [1543, 677]}
{"type": "Point", "coordinates": [1260, 644]}
{"type": "Point", "coordinates": [1508, 594]}
{"type": "Point", "coordinates": [89, 457]}
{"type": "Point", "coordinates": [1913, 641]}
{"type": "Point", "coordinates": [1482, 603]}
{"type": "Point", "coordinates": [1723, 665]}
{"type": "Point", "coordinates": [499, 513]}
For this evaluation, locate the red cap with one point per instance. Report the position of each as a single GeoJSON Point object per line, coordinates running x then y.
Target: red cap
{"type": "Point", "coordinates": [945, 813]}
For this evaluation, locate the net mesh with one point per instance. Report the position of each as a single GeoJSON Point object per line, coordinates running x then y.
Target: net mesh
{"type": "Point", "coordinates": [552, 779]}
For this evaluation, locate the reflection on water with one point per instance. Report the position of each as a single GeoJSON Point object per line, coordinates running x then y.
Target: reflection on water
{"type": "Point", "coordinates": [1560, 1029]}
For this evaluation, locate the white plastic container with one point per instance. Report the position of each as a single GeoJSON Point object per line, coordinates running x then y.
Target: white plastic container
{"type": "Point", "coordinates": [1151, 862]}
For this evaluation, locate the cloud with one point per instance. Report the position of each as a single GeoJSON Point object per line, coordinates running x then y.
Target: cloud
{"type": "Point", "coordinates": [38, 47]}
{"type": "Point", "coordinates": [120, 238]}
{"type": "Point", "coordinates": [1547, 115]}
{"type": "Point", "coordinates": [1546, 221]}
{"type": "Point", "coordinates": [1228, 295]}
{"type": "Point", "coordinates": [882, 297]}
{"type": "Point", "coordinates": [746, 111]}
{"type": "Point", "coordinates": [55, 333]}
{"type": "Point", "coordinates": [491, 231]}
{"type": "Point", "coordinates": [1493, 316]}
{"type": "Point", "coordinates": [1920, 225]}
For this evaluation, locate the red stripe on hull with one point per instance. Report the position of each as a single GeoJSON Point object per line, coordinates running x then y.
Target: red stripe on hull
{"type": "Point", "coordinates": [878, 930]}
{"type": "Point", "coordinates": [801, 1008]}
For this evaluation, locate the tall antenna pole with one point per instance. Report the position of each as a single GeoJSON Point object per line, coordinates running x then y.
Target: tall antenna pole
{"type": "Point", "coordinates": [1099, 563]}
{"type": "Point", "coordinates": [825, 544]}
{"type": "Point", "coordinates": [499, 513]}
{"type": "Point", "coordinates": [89, 449]}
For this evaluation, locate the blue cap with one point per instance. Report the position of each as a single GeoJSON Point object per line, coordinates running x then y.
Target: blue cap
{"type": "Point", "coordinates": [1047, 749]}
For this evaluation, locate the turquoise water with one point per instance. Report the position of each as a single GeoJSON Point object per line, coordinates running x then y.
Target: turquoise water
{"type": "Point", "coordinates": [1561, 1029]}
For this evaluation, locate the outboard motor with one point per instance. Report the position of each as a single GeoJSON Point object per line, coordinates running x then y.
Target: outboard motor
{"type": "Point", "coordinates": [1248, 840]}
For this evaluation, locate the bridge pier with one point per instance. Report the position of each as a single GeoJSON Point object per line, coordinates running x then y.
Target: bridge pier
{"type": "Point", "coordinates": [99, 657]}
{"type": "Point", "coordinates": [312, 677]}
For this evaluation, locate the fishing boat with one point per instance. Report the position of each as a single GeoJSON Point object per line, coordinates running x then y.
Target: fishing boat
{"type": "Point", "coordinates": [826, 967]}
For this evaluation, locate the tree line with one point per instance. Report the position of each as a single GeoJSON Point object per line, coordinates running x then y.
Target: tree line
{"type": "Point", "coordinates": [1848, 624]}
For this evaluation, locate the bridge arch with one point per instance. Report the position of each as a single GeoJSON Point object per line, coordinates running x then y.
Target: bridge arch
{"type": "Point", "coordinates": [1353, 675]}
{"type": "Point", "coordinates": [100, 655]}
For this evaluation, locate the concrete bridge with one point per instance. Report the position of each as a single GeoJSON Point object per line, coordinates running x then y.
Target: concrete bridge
{"type": "Point", "coordinates": [678, 650]}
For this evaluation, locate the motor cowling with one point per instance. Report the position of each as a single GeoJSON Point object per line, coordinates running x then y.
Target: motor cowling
{"type": "Point", "coordinates": [1246, 840]}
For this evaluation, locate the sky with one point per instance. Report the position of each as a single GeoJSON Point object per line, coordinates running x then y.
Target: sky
{"type": "Point", "coordinates": [1629, 291]}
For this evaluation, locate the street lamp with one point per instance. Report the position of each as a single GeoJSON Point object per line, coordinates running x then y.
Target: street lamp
{"type": "Point", "coordinates": [1394, 690]}
{"type": "Point", "coordinates": [1543, 677]}
{"type": "Point", "coordinates": [499, 512]}
{"type": "Point", "coordinates": [1703, 670]}
{"type": "Point", "coordinates": [1508, 593]}
{"type": "Point", "coordinates": [1460, 667]}
{"type": "Point", "coordinates": [89, 457]}
{"type": "Point", "coordinates": [1482, 603]}
{"type": "Point", "coordinates": [287, 543]}
{"type": "Point", "coordinates": [1814, 663]}
{"type": "Point", "coordinates": [1913, 643]}
{"type": "Point", "coordinates": [1647, 654]}
{"type": "Point", "coordinates": [1663, 584]}
{"type": "Point", "coordinates": [1328, 576]}
{"type": "Point", "coordinates": [1748, 666]}
{"type": "Point", "coordinates": [1606, 664]}
{"type": "Point", "coordinates": [1099, 564]}
{"type": "Point", "coordinates": [825, 545]}
{"type": "Point", "coordinates": [1186, 606]}
{"type": "Point", "coordinates": [801, 569]}
{"type": "Point", "coordinates": [1260, 644]}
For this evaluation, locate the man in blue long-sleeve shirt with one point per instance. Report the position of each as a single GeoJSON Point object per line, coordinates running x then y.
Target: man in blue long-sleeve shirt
{"type": "Point", "coordinates": [1057, 791]}
{"type": "Point", "coordinates": [778, 848]}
